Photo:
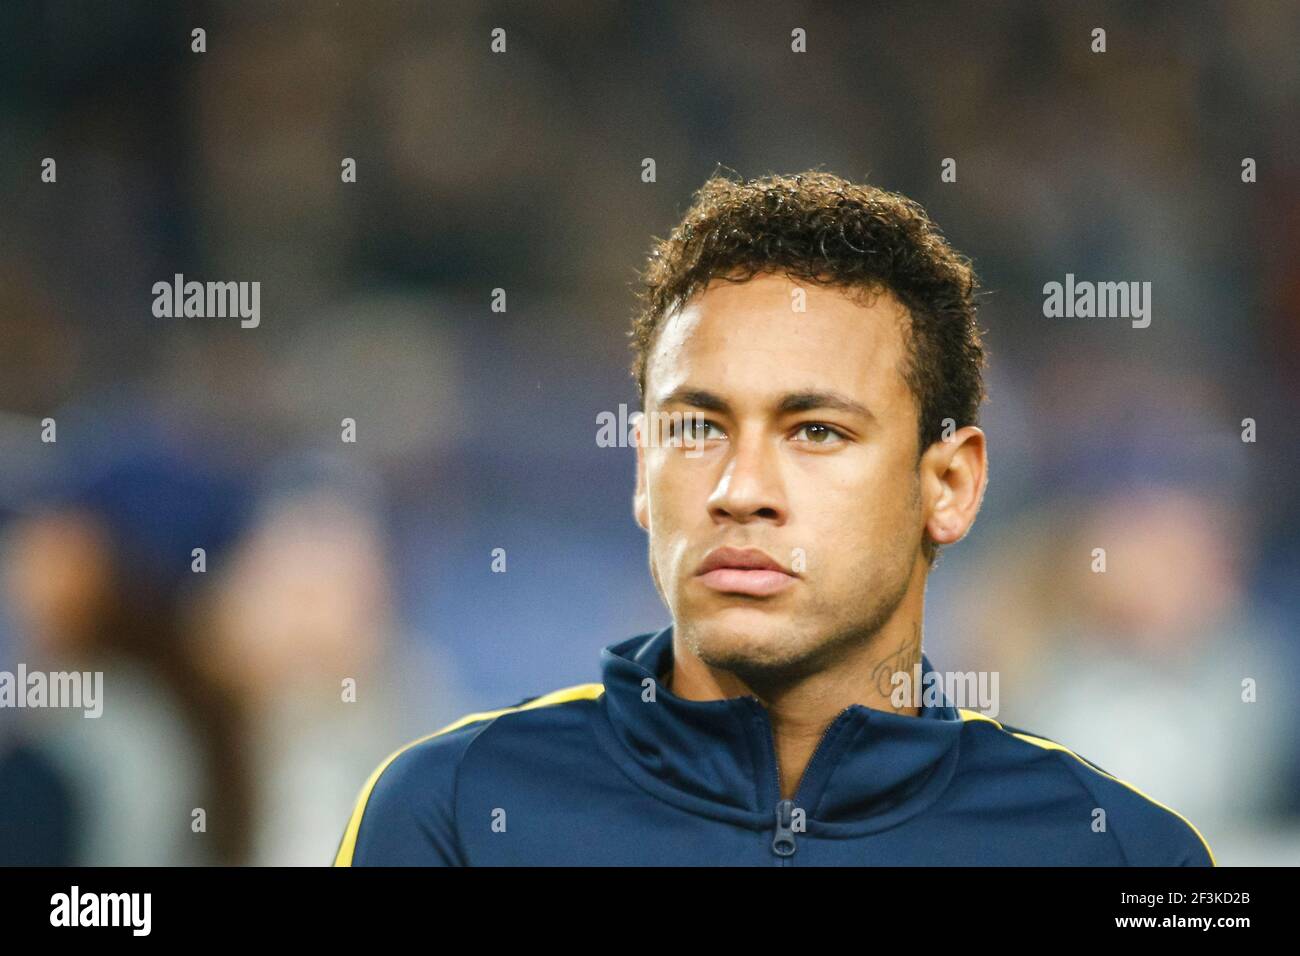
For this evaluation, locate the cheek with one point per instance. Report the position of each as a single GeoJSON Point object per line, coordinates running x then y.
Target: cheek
{"type": "Point", "coordinates": [852, 523]}
{"type": "Point", "coordinates": [672, 502]}
{"type": "Point", "coordinates": [677, 491]}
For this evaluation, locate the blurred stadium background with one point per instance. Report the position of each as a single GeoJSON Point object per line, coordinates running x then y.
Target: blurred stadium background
{"type": "Point", "coordinates": [476, 430]}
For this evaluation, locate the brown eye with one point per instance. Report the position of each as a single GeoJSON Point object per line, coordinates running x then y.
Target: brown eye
{"type": "Point", "coordinates": [820, 434]}
{"type": "Point", "coordinates": [689, 427]}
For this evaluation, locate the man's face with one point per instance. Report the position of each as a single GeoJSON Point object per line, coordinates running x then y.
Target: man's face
{"type": "Point", "coordinates": [830, 493]}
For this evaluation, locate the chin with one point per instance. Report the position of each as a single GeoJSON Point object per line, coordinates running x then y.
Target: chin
{"type": "Point", "coordinates": [745, 639]}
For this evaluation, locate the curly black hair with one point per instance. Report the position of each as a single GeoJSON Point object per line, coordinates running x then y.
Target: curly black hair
{"type": "Point", "coordinates": [818, 227]}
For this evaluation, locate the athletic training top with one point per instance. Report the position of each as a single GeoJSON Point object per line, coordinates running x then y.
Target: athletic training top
{"type": "Point", "coordinates": [625, 773]}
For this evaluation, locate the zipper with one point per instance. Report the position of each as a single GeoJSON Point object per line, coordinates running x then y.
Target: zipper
{"type": "Point", "coordinates": [783, 844]}
{"type": "Point", "coordinates": [783, 840]}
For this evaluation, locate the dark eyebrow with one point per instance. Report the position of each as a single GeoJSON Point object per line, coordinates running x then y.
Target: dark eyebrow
{"type": "Point", "coordinates": [696, 397]}
{"type": "Point", "coordinates": [805, 401]}
{"type": "Point", "coordinates": [811, 400]}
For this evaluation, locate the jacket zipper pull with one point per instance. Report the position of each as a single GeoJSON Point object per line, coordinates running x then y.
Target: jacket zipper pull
{"type": "Point", "coordinates": [783, 842]}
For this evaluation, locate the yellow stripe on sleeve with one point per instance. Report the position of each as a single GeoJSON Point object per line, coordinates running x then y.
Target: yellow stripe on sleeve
{"type": "Point", "coordinates": [1046, 744]}
{"type": "Point", "coordinates": [348, 846]}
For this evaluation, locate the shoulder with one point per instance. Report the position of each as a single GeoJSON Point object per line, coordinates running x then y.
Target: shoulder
{"type": "Point", "coordinates": [406, 806]}
{"type": "Point", "coordinates": [1149, 832]}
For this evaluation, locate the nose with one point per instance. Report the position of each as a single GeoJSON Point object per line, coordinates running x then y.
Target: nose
{"type": "Point", "coordinates": [750, 486]}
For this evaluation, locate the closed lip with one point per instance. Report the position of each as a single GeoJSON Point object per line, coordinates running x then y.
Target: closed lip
{"type": "Point", "coordinates": [744, 559]}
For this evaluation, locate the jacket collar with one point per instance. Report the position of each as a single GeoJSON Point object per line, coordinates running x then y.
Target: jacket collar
{"type": "Point", "coordinates": [872, 768]}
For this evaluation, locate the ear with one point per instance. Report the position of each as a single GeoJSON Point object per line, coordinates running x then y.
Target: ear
{"type": "Point", "coordinates": [640, 500]}
{"type": "Point", "coordinates": [954, 473]}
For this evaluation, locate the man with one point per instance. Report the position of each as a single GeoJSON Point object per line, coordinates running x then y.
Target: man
{"type": "Point", "coordinates": [812, 345]}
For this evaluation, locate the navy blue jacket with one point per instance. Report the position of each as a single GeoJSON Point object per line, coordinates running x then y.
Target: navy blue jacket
{"type": "Point", "coordinates": [599, 775]}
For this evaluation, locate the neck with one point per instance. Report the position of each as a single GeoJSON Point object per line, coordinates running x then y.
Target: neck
{"type": "Point", "coordinates": [802, 708]}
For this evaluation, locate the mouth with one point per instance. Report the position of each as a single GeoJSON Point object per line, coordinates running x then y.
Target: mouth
{"type": "Point", "coordinates": [746, 571]}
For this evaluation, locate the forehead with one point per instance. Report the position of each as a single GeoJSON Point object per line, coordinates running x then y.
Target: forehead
{"type": "Point", "coordinates": [748, 338]}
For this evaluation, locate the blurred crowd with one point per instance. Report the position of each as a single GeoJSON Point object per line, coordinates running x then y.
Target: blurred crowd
{"type": "Point", "coordinates": [348, 601]}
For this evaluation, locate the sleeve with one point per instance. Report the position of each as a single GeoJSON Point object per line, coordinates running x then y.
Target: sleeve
{"type": "Point", "coordinates": [1157, 835]}
{"type": "Point", "coordinates": [1148, 832]}
{"type": "Point", "coordinates": [405, 815]}
{"type": "Point", "coordinates": [1154, 834]}
{"type": "Point", "coordinates": [1196, 851]}
{"type": "Point", "coordinates": [1178, 844]}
